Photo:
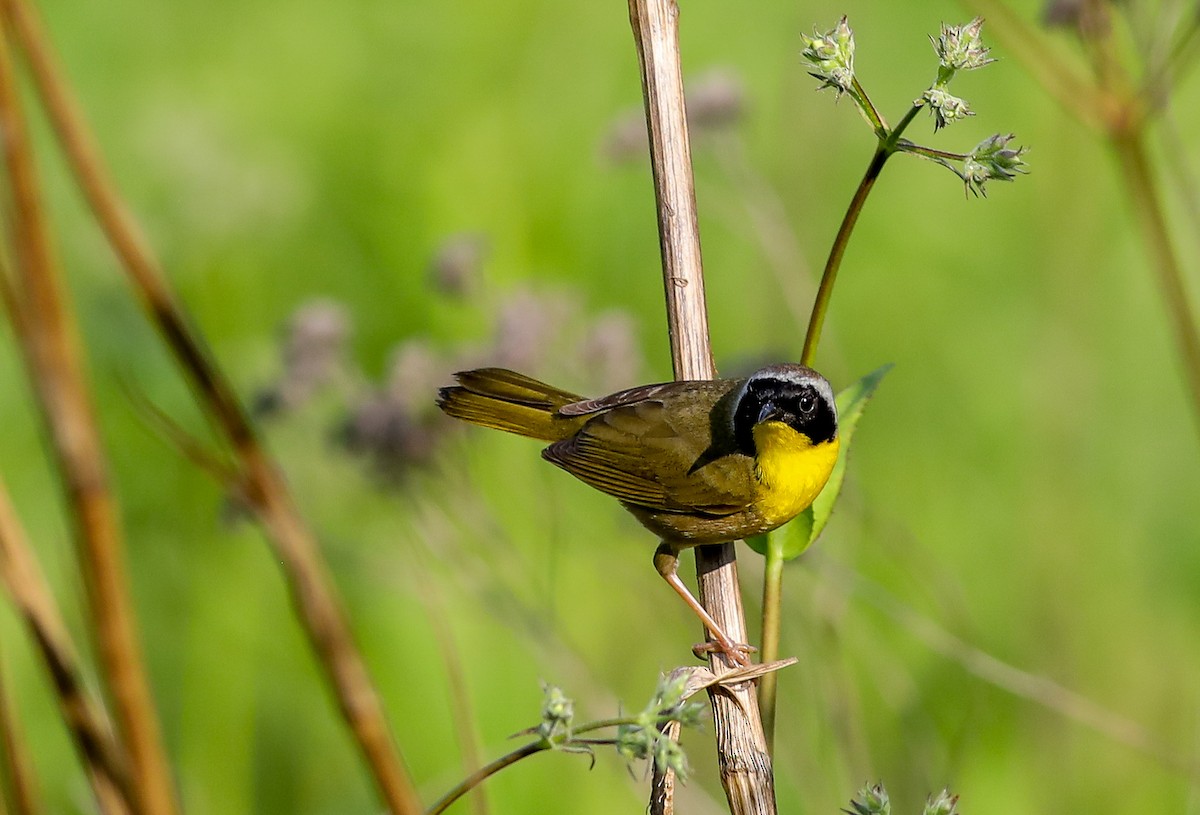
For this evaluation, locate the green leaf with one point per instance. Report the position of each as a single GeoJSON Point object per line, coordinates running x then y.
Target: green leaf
{"type": "Point", "coordinates": [797, 535]}
{"type": "Point", "coordinates": [790, 539]}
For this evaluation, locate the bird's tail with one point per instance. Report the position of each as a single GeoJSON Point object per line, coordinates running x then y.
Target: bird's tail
{"type": "Point", "coordinates": [509, 401]}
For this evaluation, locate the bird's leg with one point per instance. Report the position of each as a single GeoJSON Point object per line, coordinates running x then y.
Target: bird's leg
{"type": "Point", "coordinates": [666, 561]}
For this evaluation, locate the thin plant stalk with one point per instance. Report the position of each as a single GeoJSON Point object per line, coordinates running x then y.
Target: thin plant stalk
{"type": "Point", "coordinates": [662, 782]}
{"type": "Point", "coordinates": [103, 757]}
{"type": "Point", "coordinates": [746, 772]}
{"type": "Point", "coordinates": [263, 486]}
{"type": "Point", "coordinates": [771, 623]}
{"type": "Point", "coordinates": [1147, 204]}
{"type": "Point", "coordinates": [465, 723]}
{"type": "Point", "coordinates": [56, 368]}
{"type": "Point", "coordinates": [773, 568]}
{"type": "Point", "coordinates": [889, 143]}
{"type": "Point", "coordinates": [525, 751]}
{"type": "Point", "coordinates": [22, 783]}
{"type": "Point", "coordinates": [837, 252]}
{"type": "Point", "coordinates": [1113, 103]}
{"type": "Point", "coordinates": [478, 777]}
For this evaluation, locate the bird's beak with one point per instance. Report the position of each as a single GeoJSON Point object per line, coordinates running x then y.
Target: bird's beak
{"type": "Point", "coordinates": [768, 411]}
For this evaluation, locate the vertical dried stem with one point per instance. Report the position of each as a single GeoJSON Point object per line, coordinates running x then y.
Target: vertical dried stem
{"type": "Point", "coordinates": [745, 764]}
{"type": "Point", "coordinates": [56, 367]}
{"type": "Point", "coordinates": [656, 29]}
{"type": "Point", "coordinates": [23, 582]}
{"type": "Point", "coordinates": [312, 590]}
{"type": "Point", "coordinates": [662, 785]}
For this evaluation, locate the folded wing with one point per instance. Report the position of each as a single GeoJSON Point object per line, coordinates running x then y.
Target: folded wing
{"type": "Point", "coordinates": [635, 453]}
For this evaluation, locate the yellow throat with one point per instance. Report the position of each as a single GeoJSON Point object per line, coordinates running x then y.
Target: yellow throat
{"type": "Point", "coordinates": [791, 469]}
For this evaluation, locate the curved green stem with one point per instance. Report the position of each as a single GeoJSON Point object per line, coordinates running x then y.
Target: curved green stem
{"type": "Point", "coordinates": [868, 110]}
{"type": "Point", "coordinates": [829, 276]}
{"type": "Point", "coordinates": [905, 146]}
{"type": "Point", "coordinates": [600, 724]}
{"type": "Point", "coordinates": [893, 138]}
{"type": "Point", "coordinates": [482, 774]}
{"type": "Point", "coordinates": [772, 605]}
{"type": "Point", "coordinates": [888, 144]}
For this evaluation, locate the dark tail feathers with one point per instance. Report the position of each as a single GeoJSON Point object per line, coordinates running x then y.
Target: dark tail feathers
{"type": "Point", "coordinates": [509, 401]}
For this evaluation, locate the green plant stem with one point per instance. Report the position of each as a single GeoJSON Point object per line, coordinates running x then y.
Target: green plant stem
{"type": "Point", "coordinates": [508, 759]}
{"type": "Point", "coordinates": [600, 724]}
{"type": "Point", "coordinates": [772, 607]}
{"type": "Point", "coordinates": [893, 138]}
{"type": "Point", "coordinates": [869, 112]}
{"type": "Point", "coordinates": [889, 141]}
{"type": "Point", "coordinates": [829, 276]}
{"type": "Point", "coordinates": [1130, 148]}
{"type": "Point", "coordinates": [484, 773]}
{"type": "Point", "coordinates": [906, 146]}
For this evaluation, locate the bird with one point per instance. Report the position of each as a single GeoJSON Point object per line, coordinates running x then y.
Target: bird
{"type": "Point", "coordinates": [695, 461]}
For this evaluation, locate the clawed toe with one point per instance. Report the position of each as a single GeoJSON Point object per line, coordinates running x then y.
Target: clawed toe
{"type": "Point", "coordinates": [736, 652]}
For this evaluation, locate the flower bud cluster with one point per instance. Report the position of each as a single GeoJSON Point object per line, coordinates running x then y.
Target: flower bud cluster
{"type": "Point", "coordinates": [960, 48]}
{"type": "Point", "coordinates": [642, 738]}
{"type": "Point", "coordinates": [871, 800]}
{"type": "Point", "coordinates": [992, 159]}
{"type": "Point", "coordinates": [942, 804]}
{"type": "Point", "coordinates": [558, 712]}
{"type": "Point", "coordinates": [945, 107]}
{"type": "Point", "coordinates": [830, 57]}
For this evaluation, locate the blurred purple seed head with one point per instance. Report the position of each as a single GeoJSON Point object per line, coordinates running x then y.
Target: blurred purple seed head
{"type": "Point", "coordinates": [456, 268]}
{"type": "Point", "coordinates": [313, 356]}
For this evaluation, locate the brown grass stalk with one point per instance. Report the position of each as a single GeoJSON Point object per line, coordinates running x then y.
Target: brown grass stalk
{"type": "Point", "coordinates": [263, 486]}
{"type": "Point", "coordinates": [56, 367]}
{"type": "Point", "coordinates": [22, 784]}
{"type": "Point", "coordinates": [745, 764]}
{"type": "Point", "coordinates": [20, 577]}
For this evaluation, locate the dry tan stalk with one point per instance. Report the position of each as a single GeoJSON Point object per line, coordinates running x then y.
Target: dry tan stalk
{"type": "Point", "coordinates": [263, 486]}
{"type": "Point", "coordinates": [56, 368]}
{"type": "Point", "coordinates": [22, 580]}
{"type": "Point", "coordinates": [22, 784]}
{"type": "Point", "coordinates": [745, 764]}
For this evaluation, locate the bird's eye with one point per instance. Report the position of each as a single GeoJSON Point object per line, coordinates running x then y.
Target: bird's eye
{"type": "Point", "coordinates": [808, 403]}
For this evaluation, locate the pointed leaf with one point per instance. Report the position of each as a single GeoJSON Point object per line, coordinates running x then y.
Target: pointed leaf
{"type": "Point", "coordinates": [851, 403]}
{"type": "Point", "coordinates": [758, 543]}
{"type": "Point", "coordinates": [790, 539]}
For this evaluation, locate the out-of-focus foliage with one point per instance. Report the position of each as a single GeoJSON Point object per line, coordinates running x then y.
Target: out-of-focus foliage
{"type": "Point", "coordinates": [452, 181]}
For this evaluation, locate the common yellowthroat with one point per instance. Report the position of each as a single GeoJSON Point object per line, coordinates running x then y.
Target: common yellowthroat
{"type": "Point", "coordinates": [696, 461]}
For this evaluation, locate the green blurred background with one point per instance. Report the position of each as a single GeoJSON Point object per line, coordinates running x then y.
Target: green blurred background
{"type": "Point", "coordinates": [1026, 480]}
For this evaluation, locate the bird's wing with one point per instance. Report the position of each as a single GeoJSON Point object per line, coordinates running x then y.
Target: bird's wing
{"type": "Point", "coordinates": [639, 454]}
{"type": "Point", "coordinates": [630, 396]}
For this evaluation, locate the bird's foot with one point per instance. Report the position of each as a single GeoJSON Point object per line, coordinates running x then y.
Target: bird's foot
{"type": "Point", "coordinates": [738, 653]}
